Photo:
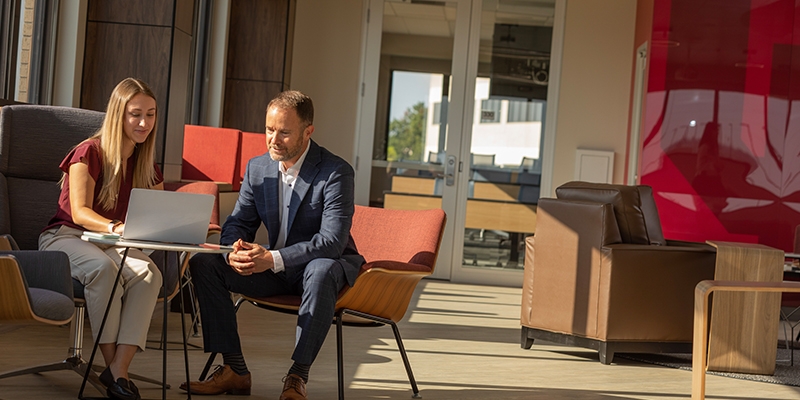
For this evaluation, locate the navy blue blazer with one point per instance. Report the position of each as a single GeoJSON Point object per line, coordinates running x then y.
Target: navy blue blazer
{"type": "Point", "coordinates": [320, 212]}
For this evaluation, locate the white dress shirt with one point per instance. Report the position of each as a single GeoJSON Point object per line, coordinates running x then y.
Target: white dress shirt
{"type": "Point", "coordinates": [288, 178]}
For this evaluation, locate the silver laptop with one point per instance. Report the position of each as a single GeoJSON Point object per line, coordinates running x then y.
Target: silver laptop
{"type": "Point", "coordinates": [165, 216]}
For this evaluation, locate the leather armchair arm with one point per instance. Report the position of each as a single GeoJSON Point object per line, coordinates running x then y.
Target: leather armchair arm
{"type": "Point", "coordinates": [648, 291]}
{"type": "Point", "coordinates": [682, 243]}
{"type": "Point", "coordinates": [561, 261]}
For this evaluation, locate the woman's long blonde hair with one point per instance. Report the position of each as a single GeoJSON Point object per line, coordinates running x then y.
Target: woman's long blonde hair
{"type": "Point", "coordinates": [111, 136]}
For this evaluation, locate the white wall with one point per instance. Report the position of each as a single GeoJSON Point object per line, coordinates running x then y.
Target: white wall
{"type": "Point", "coordinates": [593, 105]}
{"type": "Point", "coordinates": [325, 65]}
{"type": "Point", "coordinates": [596, 71]}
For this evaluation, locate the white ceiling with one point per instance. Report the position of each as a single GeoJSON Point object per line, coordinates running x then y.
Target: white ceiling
{"type": "Point", "coordinates": [437, 18]}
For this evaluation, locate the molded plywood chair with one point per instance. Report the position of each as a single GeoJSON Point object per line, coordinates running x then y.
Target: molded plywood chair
{"type": "Point", "coordinates": [400, 247]}
{"type": "Point", "coordinates": [201, 187]}
{"type": "Point", "coordinates": [174, 273]}
{"type": "Point", "coordinates": [29, 191]}
{"type": "Point", "coordinates": [174, 266]}
{"type": "Point", "coordinates": [35, 287]}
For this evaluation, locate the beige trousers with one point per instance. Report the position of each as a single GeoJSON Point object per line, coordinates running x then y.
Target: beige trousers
{"type": "Point", "coordinates": [96, 267]}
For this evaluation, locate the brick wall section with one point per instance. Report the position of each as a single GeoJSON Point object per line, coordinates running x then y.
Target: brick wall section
{"type": "Point", "coordinates": [25, 50]}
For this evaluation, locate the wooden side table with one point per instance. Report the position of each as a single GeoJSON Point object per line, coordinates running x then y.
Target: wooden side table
{"type": "Point", "coordinates": [700, 337]}
{"type": "Point", "coordinates": [744, 325]}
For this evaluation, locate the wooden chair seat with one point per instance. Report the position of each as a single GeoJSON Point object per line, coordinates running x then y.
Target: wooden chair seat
{"type": "Point", "coordinates": [400, 247]}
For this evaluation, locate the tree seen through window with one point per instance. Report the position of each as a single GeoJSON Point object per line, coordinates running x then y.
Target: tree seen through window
{"type": "Point", "coordinates": [407, 135]}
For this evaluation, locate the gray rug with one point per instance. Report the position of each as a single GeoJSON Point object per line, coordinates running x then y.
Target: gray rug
{"type": "Point", "coordinates": [784, 373]}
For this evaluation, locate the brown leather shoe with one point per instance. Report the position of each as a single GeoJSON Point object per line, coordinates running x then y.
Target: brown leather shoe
{"type": "Point", "coordinates": [293, 388]}
{"type": "Point", "coordinates": [223, 380]}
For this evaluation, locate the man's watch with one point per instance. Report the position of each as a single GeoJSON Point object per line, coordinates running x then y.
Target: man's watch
{"type": "Point", "coordinates": [113, 224]}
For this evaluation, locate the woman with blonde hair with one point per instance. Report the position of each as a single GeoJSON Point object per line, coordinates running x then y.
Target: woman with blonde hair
{"type": "Point", "coordinates": [98, 175]}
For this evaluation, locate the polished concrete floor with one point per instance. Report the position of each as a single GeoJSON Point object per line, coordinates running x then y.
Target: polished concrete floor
{"type": "Point", "coordinates": [462, 340]}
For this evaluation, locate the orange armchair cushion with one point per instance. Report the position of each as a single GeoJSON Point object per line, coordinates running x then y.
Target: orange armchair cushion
{"type": "Point", "coordinates": [397, 235]}
{"type": "Point", "coordinates": [202, 188]}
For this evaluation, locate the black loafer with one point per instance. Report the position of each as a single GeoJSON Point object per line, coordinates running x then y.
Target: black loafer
{"type": "Point", "coordinates": [133, 387]}
{"type": "Point", "coordinates": [106, 378]}
{"type": "Point", "coordinates": [122, 389]}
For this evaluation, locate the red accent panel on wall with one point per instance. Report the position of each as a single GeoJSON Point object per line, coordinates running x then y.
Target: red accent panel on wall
{"type": "Point", "coordinates": [721, 145]}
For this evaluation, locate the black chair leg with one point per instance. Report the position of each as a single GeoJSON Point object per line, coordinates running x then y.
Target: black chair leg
{"type": "Point", "coordinates": [405, 361]}
{"type": "Point", "coordinates": [207, 367]}
{"type": "Point", "coordinates": [606, 353]}
{"type": "Point", "coordinates": [340, 353]}
{"type": "Point", "coordinates": [193, 302]}
{"type": "Point", "coordinates": [185, 349]}
{"type": "Point", "coordinates": [397, 337]}
{"type": "Point", "coordinates": [72, 363]}
{"type": "Point", "coordinates": [525, 341]}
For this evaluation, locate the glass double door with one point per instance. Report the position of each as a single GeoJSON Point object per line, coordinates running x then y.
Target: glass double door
{"type": "Point", "coordinates": [460, 92]}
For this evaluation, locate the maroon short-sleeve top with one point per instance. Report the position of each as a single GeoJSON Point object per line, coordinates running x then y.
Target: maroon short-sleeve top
{"type": "Point", "coordinates": [90, 152]}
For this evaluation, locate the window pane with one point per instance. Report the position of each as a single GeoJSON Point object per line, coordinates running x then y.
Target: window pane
{"type": "Point", "coordinates": [417, 116]}
{"type": "Point", "coordinates": [510, 100]}
{"type": "Point", "coordinates": [524, 111]}
{"type": "Point", "coordinates": [437, 113]}
{"type": "Point", "coordinates": [490, 111]}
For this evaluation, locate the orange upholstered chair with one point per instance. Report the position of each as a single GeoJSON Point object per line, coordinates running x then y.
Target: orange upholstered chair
{"type": "Point", "coordinates": [253, 144]}
{"type": "Point", "coordinates": [202, 187]}
{"type": "Point", "coordinates": [400, 247]}
{"type": "Point", "coordinates": [177, 273]}
{"type": "Point", "coordinates": [211, 154]}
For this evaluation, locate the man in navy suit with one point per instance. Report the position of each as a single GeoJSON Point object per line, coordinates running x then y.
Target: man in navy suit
{"type": "Point", "coordinates": [304, 196]}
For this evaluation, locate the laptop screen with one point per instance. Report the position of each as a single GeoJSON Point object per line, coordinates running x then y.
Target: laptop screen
{"type": "Point", "coordinates": [165, 216]}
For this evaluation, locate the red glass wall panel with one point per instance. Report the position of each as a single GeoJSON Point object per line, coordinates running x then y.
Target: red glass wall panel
{"type": "Point", "coordinates": [721, 144]}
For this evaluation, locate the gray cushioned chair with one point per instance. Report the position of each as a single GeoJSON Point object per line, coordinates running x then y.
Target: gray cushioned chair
{"type": "Point", "coordinates": [33, 141]}
{"type": "Point", "coordinates": [35, 287]}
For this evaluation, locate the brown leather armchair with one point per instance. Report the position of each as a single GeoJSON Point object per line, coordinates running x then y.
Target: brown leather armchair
{"type": "Point", "coordinates": [599, 274]}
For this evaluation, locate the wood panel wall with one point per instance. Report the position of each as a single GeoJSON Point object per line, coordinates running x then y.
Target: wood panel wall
{"type": "Point", "coordinates": [259, 60]}
{"type": "Point", "coordinates": [150, 40]}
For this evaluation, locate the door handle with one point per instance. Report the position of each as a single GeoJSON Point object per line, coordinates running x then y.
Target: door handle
{"type": "Point", "coordinates": [450, 171]}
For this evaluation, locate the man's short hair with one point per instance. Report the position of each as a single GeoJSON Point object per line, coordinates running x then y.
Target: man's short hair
{"type": "Point", "coordinates": [294, 99]}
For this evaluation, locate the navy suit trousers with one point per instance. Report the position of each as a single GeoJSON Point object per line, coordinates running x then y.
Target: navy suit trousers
{"type": "Point", "coordinates": [319, 286]}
